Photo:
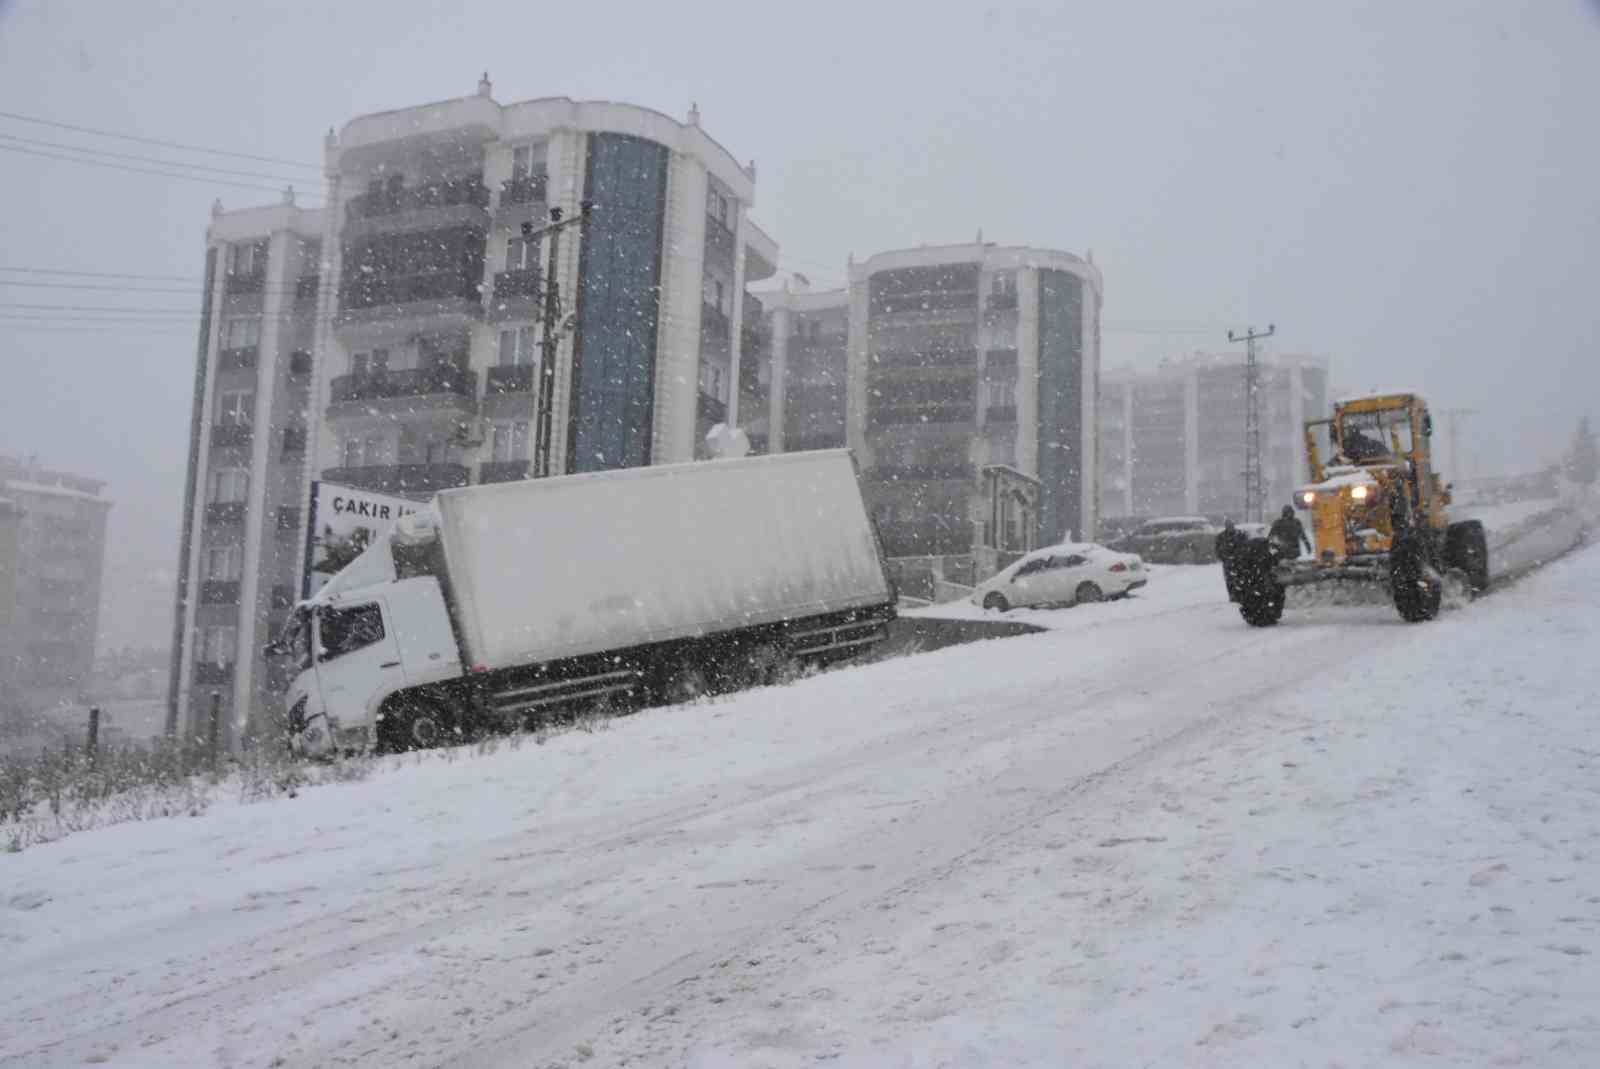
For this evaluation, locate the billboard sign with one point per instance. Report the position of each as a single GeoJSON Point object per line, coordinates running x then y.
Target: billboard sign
{"type": "Point", "coordinates": [342, 522]}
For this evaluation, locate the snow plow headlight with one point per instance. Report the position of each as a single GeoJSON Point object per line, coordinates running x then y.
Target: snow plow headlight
{"type": "Point", "coordinates": [1308, 497]}
{"type": "Point", "coordinates": [1359, 493]}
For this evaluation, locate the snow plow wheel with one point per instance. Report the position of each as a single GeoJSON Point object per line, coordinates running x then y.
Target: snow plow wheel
{"type": "Point", "coordinates": [1088, 593]}
{"type": "Point", "coordinates": [1467, 547]}
{"type": "Point", "coordinates": [997, 602]}
{"type": "Point", "coordinates": [1416, 587]}
{"type": "Point", "coordinates": [1261, 596]}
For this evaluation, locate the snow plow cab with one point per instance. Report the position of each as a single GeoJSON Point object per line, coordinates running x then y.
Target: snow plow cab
{"type": "Point", "coordinates": [1378, 513]}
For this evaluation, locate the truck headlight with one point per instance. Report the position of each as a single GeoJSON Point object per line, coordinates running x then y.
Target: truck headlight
{"type": "Point", "coordinates": [1308, 497]}
{"type": "Point", "coordinates": [1359, 493]}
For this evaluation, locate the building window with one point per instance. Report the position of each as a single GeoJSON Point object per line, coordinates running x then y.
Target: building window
{"type": "Point", "coordinates": [713, 380]}
{"type": "Point", "coordinates": [236, 408]}
{"type": "Point", "coordinates": [247, 259]}
{"type": "Point", "coordinates": [241, 332]}
{"type": "Point", "coordinates": [509, 441]}
{"type": "Point", "coordinates": [222, 563]}
{"type": "Point", "coordinates": [361, 452]}
{"type": "Point", "coordinates": [218, 644]}
{"type": "Point", "coordinates": [521, 255]}
{"type": "Point", "coordinates": [717, 206]}
{"type": "Point", "coordinates": [517, 347]}
{"type": "Point", "coordinates": [521, 158]}
{"type": "Point", "coordinates": [229, 486]}
{"type": "Point", "coordinates": [373, 362]}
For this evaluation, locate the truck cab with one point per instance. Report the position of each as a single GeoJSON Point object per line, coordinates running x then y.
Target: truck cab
{"type": "Point", "coordinates": [353, 648]}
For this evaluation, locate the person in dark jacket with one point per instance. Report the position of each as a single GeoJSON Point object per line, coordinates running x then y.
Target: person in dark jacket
{"type": "Point", "coordinates": [1289, 533]}
{"type": "Point", "coordinates": [1230, 540]}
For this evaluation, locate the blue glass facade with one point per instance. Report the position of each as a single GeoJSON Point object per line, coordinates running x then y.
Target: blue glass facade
{"type": "Point", "coordinates": [618, 303]}
{"type": "Point", "coordinates": [1061, 471]}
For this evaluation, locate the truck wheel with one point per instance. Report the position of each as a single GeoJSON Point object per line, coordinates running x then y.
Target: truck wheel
{"type": "Point", "coordinates": [996, 601]}
{"type": "Point", "coordinates": [1467, 547]}
{"type": "Point", "coordinates": [767, 664]}
{"type": "Point", "coordinates": [1415, 585]}
{"type": "Point", "coordinates": [1261, 596]}
{"type": "Point", "coordinates": [415, 724]}
{"type": "Point", "coordinates": [1088, 593]}
{"type": "Point", "coordinates": [687, 683]}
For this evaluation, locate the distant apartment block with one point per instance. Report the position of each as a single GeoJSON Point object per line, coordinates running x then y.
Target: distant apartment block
{"type": "Point", "coordinates": [52, 552]}
{"type": "Point", "coordinates": [1172, 438]}
{"type": "Point", "coordinates": [965, 378]}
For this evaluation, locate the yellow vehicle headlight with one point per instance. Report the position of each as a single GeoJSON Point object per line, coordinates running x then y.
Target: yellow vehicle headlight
{"type": "Point", "coordinates": [1308, 497]}
{"type": "Point", "coordinates": [1359, 493]}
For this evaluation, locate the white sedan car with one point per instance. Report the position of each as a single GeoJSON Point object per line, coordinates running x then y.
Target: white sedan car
{"type": "Point", "coordinates": [1067, 574]}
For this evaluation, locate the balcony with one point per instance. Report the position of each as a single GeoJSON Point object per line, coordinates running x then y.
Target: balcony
{"type": "Point", "coordinates": [503, 471]}
{"type": "Point", "coordinates": [509, 378]}
{"type": "Point", "coordinates": [383, 298]}
{"type": "Point", "coordinates": [294, 441]}
{"type": "Point", "coordinates": [240, 358]}
{"type": "Point", "coordinates": [300, 362]}
{"type": "Point", "coordinates": [225, 513]}
{"type": "Point", "coordinates": [451, 193]}
{"type": "Point", "coordinates": [227, 435]}
{"type": "Point", "coordinates": [219, 592]}
{"type": "Point", "coordinates": [288, 518]}
{"type": "Point", "coordinates": [1000, 414]}
{"type": "Point", "coordinates": [446, 379]}
{"type": "Point", "coordinates": [529, 189]}
{"type": "Point", "coordinates": [282, 596]}
{"type": "Point", "coordinates": [417, 480]}
{"type": "Point", "coordinates": [516, 295]}
{"type": "Point", "coordinates": [206, 672]}
{"type": "Point", "coordinates": [305, 288]}
{"type": "Point", "coordinates": [234, 285]}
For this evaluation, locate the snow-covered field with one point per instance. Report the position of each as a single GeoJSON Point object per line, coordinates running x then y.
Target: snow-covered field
{"type": "Point", "coordinates": [1150, 835]}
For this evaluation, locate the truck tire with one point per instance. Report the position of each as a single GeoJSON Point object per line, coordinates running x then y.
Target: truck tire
{"type": "Point", "coordinates": [1261, 596]}
{"type": "Point", "coordinates": [411, 724]}
{"type": "Point", "coordinates": [1467, 547]}
{"type": "Point", "coordinates": [1414, 583]}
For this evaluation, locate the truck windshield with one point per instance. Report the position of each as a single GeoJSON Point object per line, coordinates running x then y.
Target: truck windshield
{"type": "Point", "coordinates": [1367, 436]}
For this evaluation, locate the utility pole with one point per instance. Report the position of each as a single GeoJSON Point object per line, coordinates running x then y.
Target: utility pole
{"type": "Point", "coordinates": [1254, 489]}
{"type": "Point", "coordinates": [555, 325]}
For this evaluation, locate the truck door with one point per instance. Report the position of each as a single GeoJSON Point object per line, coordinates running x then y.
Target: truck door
{"type": "Point", "coordinates": [357, 658]}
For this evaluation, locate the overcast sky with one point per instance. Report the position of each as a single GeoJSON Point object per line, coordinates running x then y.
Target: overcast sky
{"type": "Point", "coordinates": [1407, 187]}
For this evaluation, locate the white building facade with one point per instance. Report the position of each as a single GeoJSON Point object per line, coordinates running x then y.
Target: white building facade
{"type": "Point", "coordinates": [1173, 438]}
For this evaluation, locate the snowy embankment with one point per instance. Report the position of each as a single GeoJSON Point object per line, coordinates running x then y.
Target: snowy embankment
{"type": "Point", "coordinates": [1154, 835]}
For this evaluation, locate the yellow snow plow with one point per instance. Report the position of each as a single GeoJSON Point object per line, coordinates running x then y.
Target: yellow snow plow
{"type": "Point", "coordinates": [1378, 514]}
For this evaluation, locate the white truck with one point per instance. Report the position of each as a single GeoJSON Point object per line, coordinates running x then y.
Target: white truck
{"type": "Point", "coordinates": [503, 603]}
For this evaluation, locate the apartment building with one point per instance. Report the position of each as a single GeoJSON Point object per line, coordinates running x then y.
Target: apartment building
{"type": "Point", "coordinates": [52, 553]}
{"type": "Point", "coordinates": [249, 429]}
{"type": "Point", "coordinates": [1173, 440]}
{"type": "Point", "coordinates": [432, 370]}
{"type": "Point", "coordinates": [395, 341]}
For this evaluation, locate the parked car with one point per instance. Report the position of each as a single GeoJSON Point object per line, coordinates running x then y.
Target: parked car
{"type": "Point", "coordinates": [1173, 540]}
{"type": "Point", "coordinates": [1068, 574]}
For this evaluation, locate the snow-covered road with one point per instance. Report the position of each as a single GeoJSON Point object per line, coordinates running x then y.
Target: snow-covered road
{"type": "Point", "coordinates": [1151, 835]}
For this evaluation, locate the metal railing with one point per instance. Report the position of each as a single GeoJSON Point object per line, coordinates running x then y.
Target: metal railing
{"type": "Point", "coordinates": [415, 382]}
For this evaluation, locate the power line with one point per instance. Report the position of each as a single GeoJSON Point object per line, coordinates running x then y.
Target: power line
{"type": "Point", "coordinates": [96, 308]}
{"type": "Point", "coordinates": [158, 141]}
{"type": "Point", "coordinates": [136, 158]}
{"type": "Point", "coordinates": [97, 274]}
{"type": "Point", "coordinates": [96, 286]}
{"type": "Point", "coordinates": [139, 170]}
